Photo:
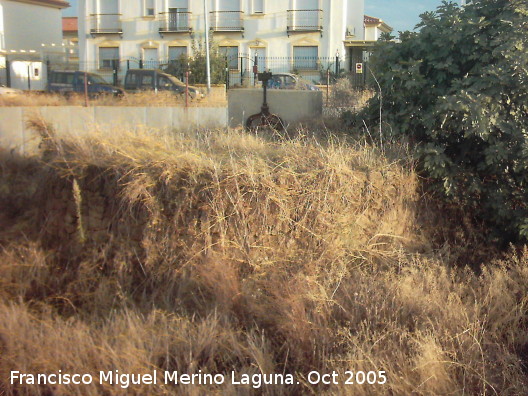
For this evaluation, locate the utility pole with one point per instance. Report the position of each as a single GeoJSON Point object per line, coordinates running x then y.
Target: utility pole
{"type": "Point", "coordinates": [207, 57]}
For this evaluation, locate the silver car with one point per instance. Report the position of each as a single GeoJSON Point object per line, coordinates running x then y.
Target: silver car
{"type": "Point", "coordinates": [290, 81]}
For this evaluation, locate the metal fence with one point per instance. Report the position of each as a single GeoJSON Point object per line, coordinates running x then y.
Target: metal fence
{"type": "Point", "coordinates": [239, 71]}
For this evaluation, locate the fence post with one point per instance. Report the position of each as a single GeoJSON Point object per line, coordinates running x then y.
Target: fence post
{"type": "Point", "coordinates": [114, 69]}
{"type": "Point", "coordinates": [327, 85]}
{"type": "Point", "coordinates": [337, 66]}
{"type": "Point", "coordinates": [85, 89]}
{"type": "Point", "coordinates": [255, 69]}
{"type": "Point", "coordinates": [242, 70]}
{"type": "Point", "coordinates": [187, 88]}
{"type": "Point", "coordinates": [8, 73]}
{"type": "Point", "coordinates": [29, 77]}
{"type": "Point", "coordinates": [227, 74]}
{"type": "Point", "coordinates": [48, 71]}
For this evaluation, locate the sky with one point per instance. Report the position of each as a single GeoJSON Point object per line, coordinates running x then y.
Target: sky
{"type": "Point", "coordinates": [399, 14]}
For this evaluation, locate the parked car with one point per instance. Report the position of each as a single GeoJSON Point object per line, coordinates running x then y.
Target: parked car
{"type": "Point", "coordinates": [155, 80]}
{"type": "Point", "coordinates": [66, 82]}
{"type": "Point", "coordinates": [6, 91]}
{"type": "Point", "coordinates": [290, 81]}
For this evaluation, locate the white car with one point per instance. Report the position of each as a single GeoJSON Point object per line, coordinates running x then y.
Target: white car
{"type": "Point", "coordinates": [9, 91]}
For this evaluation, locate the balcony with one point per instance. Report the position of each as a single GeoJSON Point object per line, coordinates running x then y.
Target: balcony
{"type": "Point", "coordinates": [226, 21]}
{"type": "Point", "coordinates": [305, 21]}
{"type": "Point", "coordinates": [106, 24]}
{"type": "Point", "coordinates": [175, 22]}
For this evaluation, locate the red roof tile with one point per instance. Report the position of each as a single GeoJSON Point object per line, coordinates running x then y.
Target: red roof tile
{"type": "Point", "coordinates": [369, 19]}
{"type": "Point", "coordinates": [70, 24]}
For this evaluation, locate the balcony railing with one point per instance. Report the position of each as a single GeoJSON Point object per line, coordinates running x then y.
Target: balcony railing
{"type": "Point", "coordinates": [175, 22]}
{"type": "Point", "coordinates": [106, 24]}
{"type": "Point", "coordinates": [305, 21]}
{"type": "Point", "coordinates": [226, 21]}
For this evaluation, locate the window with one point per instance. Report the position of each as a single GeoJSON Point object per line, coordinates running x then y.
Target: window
{"type": "Point", "coordinates": [131, 80]}
{"type": "Point", "coordinates": [150, 58]}
{"type": "Point", "coordinates": [148, 8]}
{"type": "Point", "coordinates": [257, 6]}
{"type": "Point", "coordinates": [164, 83]}
{"type": "Point", "coordinates": [177, 53]}
{"type": "Point", "coordinates": [62, 78]}
{"type": "Point", "coordinates": [108, 57]}
{"type": "Point", "coordinates": [178, 19]}
{"type": "Point", "coordinates": [305, 58]}
{"type": "Point", "coordinates": [147, 81]}
{"type": "Point", "coordinates": [232, 56]}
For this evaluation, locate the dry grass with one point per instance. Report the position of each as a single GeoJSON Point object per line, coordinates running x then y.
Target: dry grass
{"type": "Point", "coordinates": [222, 251]}
{"type": "Point", "coordinates": [159, 99]}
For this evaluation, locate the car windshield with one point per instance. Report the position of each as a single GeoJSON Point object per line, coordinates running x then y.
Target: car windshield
{"type": "Point", "coordinates": [96, 79]}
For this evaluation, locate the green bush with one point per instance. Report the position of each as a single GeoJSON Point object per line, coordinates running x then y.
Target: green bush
{"type": "Point", "coordinates": [197, 64]}
{"type": "Point", "coordinates": [458, 89]}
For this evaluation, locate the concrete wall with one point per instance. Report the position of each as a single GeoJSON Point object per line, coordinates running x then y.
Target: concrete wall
{"type": "Point", "coordinates": [291, 105]}
{"type": "Point", "coordinates": [14, 134]}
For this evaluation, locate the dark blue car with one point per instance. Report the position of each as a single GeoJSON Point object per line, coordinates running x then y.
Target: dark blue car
{"type": "Point", "coordinates": [67, 82]}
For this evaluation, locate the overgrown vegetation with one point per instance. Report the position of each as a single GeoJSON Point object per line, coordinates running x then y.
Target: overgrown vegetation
{"type": "Point", "coordinates": [161, 99]}
{"type": "Point", "coordinates": [221, 251]}
{"type": "Point", "coordinates": [457, 89]}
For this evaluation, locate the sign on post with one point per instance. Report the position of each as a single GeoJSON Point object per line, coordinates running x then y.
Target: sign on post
{"type": "Point", "coordinates": [359, 68]}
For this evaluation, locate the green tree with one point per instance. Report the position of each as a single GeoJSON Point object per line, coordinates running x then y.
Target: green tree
{"type": "Point", "coordinates": [458, 88]}
{"type": "Point", "coordinates": [197, 64]}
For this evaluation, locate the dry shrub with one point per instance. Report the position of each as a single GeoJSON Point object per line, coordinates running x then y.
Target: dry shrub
{"type": "Point", "coordinates": [220, 251]}
{"type": "Point", "coordinates": [344, 95]}
{"type": "Point", "coordinates": [147, 98]}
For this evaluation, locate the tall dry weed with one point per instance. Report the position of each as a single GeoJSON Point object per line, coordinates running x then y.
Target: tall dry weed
{"type": "Point", "coordinates": [221, 251]}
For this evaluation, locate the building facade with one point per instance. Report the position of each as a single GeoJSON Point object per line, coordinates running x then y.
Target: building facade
{"type": "Point", "coordinates": [27, 27]}
{"type": "Point", "coordinates": [154, 32]}
{"type": "Point", "coordinates": [374, 28]}
{"type": "Point", "coordinates": [27, 24]}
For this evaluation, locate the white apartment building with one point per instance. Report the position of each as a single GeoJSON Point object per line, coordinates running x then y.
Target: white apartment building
{"type": "Point", "coordinates": [26, 27]}
{"type": "Point", "coordinates": [375, 27]}
{"type": "Point", "coordinates": [27, 24]}
{"type": "Point", "coordinates": [117, 31]}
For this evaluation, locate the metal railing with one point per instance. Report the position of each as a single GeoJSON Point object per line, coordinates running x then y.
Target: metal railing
{"type": "Point", "coordinates": [106, 24]}
{"type": "Point", "coordinates": [175, 22]}
{"type": "Point", "coordinates": [305, 21]}
{"type": "Point", "coordinates": [226, 21]}
{"type": "Point", "coordinates": [232, 70]}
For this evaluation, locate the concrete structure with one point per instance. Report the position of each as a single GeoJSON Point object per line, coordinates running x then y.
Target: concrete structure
{"type": "Point", "coordinates": [15, 135]}
{"type": "Point", "coordinates": [161, 30]}
{"type": "Point", "coordinates": [25, 26]}
{"type": "Point", "coordinates": [291, 105]}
